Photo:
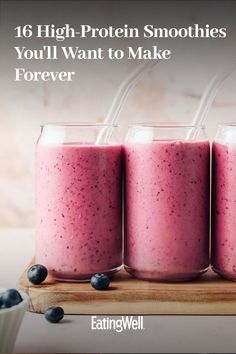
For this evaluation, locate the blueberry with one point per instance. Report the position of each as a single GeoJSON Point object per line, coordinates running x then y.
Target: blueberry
{"type": "Point", "coordinates": [54, 314]}
{"type": "Point", "coordinates": [100, 281]}
{"type": "Point", "coordinates": [10, 298]}
{"type": "Point", "coordinates": [37, 274]}
{"type": "Point", "coordinates": [2, 304]}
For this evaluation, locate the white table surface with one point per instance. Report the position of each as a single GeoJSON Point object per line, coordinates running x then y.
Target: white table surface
{"type": "Point", "coordinates": [162, 334]}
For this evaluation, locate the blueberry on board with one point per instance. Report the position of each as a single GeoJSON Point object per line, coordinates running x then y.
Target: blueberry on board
{"type": "Point", "coordinates": [37, 274]}
{"type": "Point", "coordinates": [54, 314]}
{"type": "Point", "coordinates": [100, 281]}
{"type": "Point", "coordinates": [9, 298]}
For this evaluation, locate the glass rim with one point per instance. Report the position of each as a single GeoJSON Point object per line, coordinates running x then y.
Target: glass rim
{"type": "Point", "coordinates": [165, 125]}
{"type": "Point", "coordinates": [79, 124]}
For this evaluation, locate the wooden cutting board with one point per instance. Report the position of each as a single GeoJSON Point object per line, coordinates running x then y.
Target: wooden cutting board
{"type": "Point", "coordinates": [210, 295]}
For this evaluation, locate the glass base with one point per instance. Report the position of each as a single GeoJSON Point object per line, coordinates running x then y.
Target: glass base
{"type": "Point", "coordinates": [225, 274]}
{"type": "Point", "coordinates": [81, 277]}
{"type": "Point", "coordinates": [165, 276]}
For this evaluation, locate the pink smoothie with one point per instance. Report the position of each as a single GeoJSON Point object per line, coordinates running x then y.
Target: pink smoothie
{"type": "Point", "coordinates": [224, 210]}
{"type": "Point", "coordinates": [78, 209]}
{"type": "Point", "coordinates": [167, 209]}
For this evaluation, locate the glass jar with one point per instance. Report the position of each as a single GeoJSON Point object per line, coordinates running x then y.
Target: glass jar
{"type": "Point", "coordinates": [167, 175]}
{"type": "Point", "coordinates": [78, 201]}
{"type": "Point", "coordinates": [223, 257]}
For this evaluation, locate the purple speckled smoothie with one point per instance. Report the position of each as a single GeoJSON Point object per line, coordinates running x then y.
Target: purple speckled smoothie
{"type": "Point", "coordinates": [167, 209]}
{"type": "Point", "coordinates": [224, 209]}
{"type": "Point", "coordinates": [78, 209]}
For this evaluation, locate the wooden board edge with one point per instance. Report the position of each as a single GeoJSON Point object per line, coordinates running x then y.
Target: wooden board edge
{"type": "Point", "coordinates": [106, 307]}
{"type": "Point", "coordinates": [129, 308]}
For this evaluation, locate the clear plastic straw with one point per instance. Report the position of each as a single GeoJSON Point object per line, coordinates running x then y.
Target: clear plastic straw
{"type": "Point", "coordinates": [121, 97]}
{"type": "Point", "coordinates": [207, 99]}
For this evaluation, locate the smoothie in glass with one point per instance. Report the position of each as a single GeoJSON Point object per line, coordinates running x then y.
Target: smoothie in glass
{"type": "Point", "coordinates": [78, 209]}
{"type": "Point", "coordinates": [224, 208]}
{"type": "Point", "coordinates": [167, 209]}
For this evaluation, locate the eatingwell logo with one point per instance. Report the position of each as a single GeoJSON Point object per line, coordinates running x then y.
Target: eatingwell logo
{"type": "Point", "coordinates": [123, 323]}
